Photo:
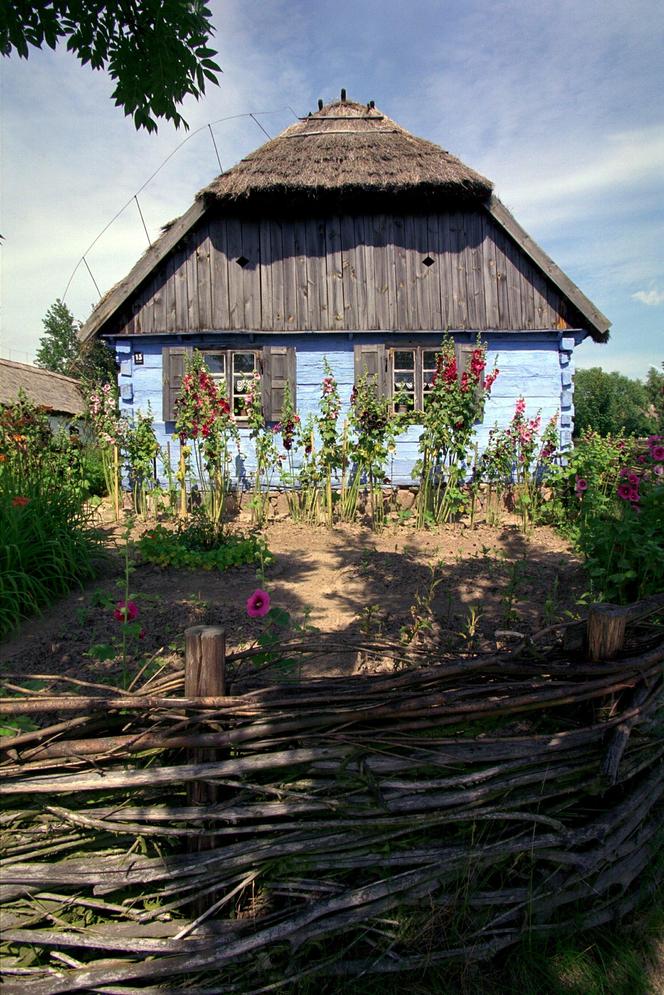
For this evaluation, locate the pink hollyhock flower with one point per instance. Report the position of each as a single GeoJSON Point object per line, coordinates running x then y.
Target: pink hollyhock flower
{"type": "Point", "coordinates": [657, 453]}
{"type": "Point", "coordinates": [624, 491]}
{"type": "Point", "coordinates": [258, 604]}
{"type": "Point", "coordinates": [20, 502]}
{"type": "Point", "coordinates": [634, 494]}
{"type": "Point", "coordinates": [581, 485]}
{"type": "Point", "coordinates": [125, 611]}
{"type": "Point", "coordinates": [633, 479]}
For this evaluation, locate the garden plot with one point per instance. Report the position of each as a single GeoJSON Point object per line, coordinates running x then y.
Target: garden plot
{"type": "Point", "coordinates": [453, 587]}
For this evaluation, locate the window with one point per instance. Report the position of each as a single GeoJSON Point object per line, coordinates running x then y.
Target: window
{"type": "Point", "coordinates": [411, 372]}
{"type": "Point", "coordinates": [234, 370]}
{"type": "Point", "coordinates": [411, 376]}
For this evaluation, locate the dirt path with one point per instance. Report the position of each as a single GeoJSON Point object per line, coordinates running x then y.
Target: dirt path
{"type": "Point", "coordinates": [347, 580]}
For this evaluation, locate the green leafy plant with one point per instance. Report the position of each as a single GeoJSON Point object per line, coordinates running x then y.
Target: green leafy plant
{"type": "Point", "coordinates": [373, 435]}
{"type": "Point", "coordinates": [453, 405]}
{"type": "Point", "coordinates": [199, 543]}
{"type": "Point", "coordinates": [265, 448]}
{"type": "Point", "coordinates": [624, 548]}
{"type": "Point", "coordinates": [330, 455]}
{"type": "Point", "coordinates": [207, 429]}
{"type": "Point", "coordinates": [141, 450]}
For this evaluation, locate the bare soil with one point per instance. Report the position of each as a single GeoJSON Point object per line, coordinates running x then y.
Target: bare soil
{"type": "Point", "coordinates": [347, 580]}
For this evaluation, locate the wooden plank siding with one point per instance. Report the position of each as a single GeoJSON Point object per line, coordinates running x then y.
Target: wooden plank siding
{"type": "Point", "coordinates": [336, 273]}
{"type": "Point", "coordinates": [535, 365]}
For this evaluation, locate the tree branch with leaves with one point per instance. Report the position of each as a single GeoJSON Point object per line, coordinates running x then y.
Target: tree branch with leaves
{"type": "Point", "coordinates": [156, 51]}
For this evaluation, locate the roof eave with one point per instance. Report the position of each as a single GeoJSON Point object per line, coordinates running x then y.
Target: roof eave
{"type": "Point", "coordinates": [598, 323]}
{"type": "Point", "coordinates": [142, 270]}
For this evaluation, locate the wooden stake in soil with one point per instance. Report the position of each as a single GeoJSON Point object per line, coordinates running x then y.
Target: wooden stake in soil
{"type": "Point", "coordinates": [116, 483]}
{"type": "Point", "coordinates": [606, 631]}
{"type": "Point", "coordinates": [183, 486]}
{"type": "Point", "coordinates": [204, 675]}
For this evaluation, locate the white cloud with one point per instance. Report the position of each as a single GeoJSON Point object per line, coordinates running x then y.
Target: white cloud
{"type": "Point", "coordinates": [653, 298]}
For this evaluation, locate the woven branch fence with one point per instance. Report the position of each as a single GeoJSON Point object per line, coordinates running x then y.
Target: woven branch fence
{"type": "Point", "coordinates": [182, 838]}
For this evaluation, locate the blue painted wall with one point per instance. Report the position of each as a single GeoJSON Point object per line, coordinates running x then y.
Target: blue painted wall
{"type": "Point", "coordinates": [537, 365]}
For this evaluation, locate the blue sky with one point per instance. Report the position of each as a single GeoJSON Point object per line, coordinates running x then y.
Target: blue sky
{"type": "Point", "coordinates": [560, 103]}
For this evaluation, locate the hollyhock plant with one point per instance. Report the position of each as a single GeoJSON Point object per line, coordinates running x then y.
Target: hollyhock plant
{"type": "Point", "coordinates": [258, 604]}
{"type": "Point", "coordinates": [204, 418]}
{"type": "Point", "coordinates": [330, 455]}
{"type": "Point", "coordinates": [624, 542]}
{"type": "Point", "coordinates": [125, 611]}
{"type": "Point", "coordinates": [455, 402]}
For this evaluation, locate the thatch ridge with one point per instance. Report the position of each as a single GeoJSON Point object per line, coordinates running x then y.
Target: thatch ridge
{"type": "Point", "coordinates": [347, 149]}
{"type": "Point", "coordinates": [54, 391]}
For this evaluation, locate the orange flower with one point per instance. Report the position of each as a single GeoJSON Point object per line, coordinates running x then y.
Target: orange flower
{"type": "Point", "coordinates": [20, 502]}
{"type": "Point", "coordinates": [2, 458]}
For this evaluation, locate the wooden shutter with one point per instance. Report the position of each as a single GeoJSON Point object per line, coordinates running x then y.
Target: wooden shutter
{"type": "Point", "coordinates": [173, 361]}
{"type": "Point", "coordinates": [371, 360]}
{"type": "Point", "coordinates": [279, 369]}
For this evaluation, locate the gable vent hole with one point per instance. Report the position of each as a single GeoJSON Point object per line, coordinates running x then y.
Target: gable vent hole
{"type": "Point", "coordinates": [428, 261]}
{"type": "Point", "coordinates": [242, 261]}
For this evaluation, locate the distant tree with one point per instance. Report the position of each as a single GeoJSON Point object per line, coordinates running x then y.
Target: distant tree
{"type": "Point", "coordinates": [610, 403]}
{"type": "Point", "coordinates": [60, 349]}
{"type": "Point", "coordinates": [655, 391]}
{"type": "Point", "coordinates": [155, 50]}
{"type": "Point", "coordinates": [59, 346]}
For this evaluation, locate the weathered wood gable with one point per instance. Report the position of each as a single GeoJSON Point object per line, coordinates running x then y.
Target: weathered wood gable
{"type": "Point", "coordinates": [409, 272]}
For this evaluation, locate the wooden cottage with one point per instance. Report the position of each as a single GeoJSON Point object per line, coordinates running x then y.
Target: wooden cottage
{"type": "Point", "coordinates": [346, 237]}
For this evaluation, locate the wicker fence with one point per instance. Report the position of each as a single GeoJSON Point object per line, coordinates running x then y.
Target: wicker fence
{"type": "Point", "coordinates": [181, 838]}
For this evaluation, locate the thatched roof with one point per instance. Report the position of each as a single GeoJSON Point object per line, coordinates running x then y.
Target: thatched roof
{"type": "Point", "coordinates": [347, 150]}
{"type": "Point", "coordinates": [53, 391]}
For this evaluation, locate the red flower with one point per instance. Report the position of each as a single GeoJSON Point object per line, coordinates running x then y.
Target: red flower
{"type": "Point", "coordinates": [258, 604]}
{"type": "Point", "coordinates": [125, 611]}
{"type": "Point", "coordinates": [20, 502]}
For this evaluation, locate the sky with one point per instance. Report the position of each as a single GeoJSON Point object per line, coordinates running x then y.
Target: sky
{"type": "Point", "coordinates": [559, 102]}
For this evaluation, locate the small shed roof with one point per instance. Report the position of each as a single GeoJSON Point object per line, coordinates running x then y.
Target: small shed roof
{"type": "Point", "coordinates": [57, 393]}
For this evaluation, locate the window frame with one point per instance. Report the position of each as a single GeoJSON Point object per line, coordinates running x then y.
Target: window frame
{"type": "Point", "coordinates": [229, 354]}
{"type": "Point", "coordinates": [462, 352]}
{"type": "Point", "coordinates": [419, 370]}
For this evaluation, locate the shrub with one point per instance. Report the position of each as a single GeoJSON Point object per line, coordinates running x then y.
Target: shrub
{"type": "Point", "coordinates": [200, 544]}
{"type": "Point", "coordinates": [624, 549]}
{"type": "Point", "coordinates": [47, 542]}
{"type": "Point", "coordinates": [47, 546]}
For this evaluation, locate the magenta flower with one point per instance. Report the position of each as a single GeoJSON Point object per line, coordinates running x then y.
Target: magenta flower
{"type": "Point", "coordinates": [581, 485]}
{"type": "Point", "coordinates": [634, 494]}
{"type": "Point", "coordinates": [125, 611]}
{"type": "Point", "coordinates": [657, 453]}
{"type": "Point", "coordinates": [624, 491]}
{"type": "Point", "coordinates": [633, 479]}
{"type": "Point", "coordinates": [258, 604]}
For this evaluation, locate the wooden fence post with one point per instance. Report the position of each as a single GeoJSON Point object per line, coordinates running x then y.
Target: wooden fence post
{"type": "Point", "coordinates": [204, 676]}
{"type": "Point", "coordinates": [606, 631]}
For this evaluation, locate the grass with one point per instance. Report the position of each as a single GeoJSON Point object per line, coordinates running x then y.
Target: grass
{"type": "Point", "coordinates": [618, 960]}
